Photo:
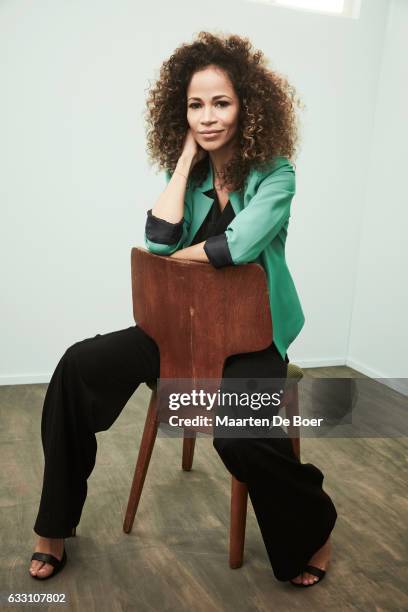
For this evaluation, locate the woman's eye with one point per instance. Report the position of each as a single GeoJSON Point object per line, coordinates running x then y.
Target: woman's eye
{"type": "Point", "coordinates": [221, 102]}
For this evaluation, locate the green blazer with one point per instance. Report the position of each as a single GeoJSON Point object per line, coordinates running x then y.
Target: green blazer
{"type": "Point", "coordinates": [256, 234]}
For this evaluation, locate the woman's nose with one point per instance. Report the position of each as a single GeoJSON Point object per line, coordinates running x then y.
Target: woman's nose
{"type": "Point", "coordinates": [207, 114]}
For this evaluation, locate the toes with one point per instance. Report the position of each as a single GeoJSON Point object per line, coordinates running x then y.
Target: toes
{"type": "Point", "coordinates": [46, 570]}
{"type": "Point", "coordinates": [38, 568]}
{"type": "Point", "coordinates": [309, 578]}
{"type": "Point", "coordinates": [305, 578]}
{"type": "Point", "coordinates": [35, 566]}
{"type": "Point", "coordinates": [298, 579]}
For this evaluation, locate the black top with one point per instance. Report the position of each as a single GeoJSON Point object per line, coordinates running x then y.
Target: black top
{"type": "Point", "coordinates": [216, 222]}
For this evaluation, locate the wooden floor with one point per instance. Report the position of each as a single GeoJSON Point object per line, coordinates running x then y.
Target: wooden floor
{"type": "Point", "coordinates": [176, 557]}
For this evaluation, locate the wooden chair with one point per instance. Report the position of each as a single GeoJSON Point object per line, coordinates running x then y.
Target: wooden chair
{"type": "Point", "coordinates": [198, 316]}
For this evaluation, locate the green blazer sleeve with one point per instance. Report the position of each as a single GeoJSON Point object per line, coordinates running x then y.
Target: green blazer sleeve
{"type": "Point", "coordinates": [258, 223]}
{"type": "Point", "coordinates": [162, 237]}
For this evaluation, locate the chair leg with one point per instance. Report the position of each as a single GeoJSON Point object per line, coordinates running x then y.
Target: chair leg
{"type": "Point", "coordinates": [292, 408]}
{"type": "Point", "coordinates": [143, 459]}
{"type": "Point", "coordinates": [239, 502]}
{"type": "Point", "coordinates": [188, 450]}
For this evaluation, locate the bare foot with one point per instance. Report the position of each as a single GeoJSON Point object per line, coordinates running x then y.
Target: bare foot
{"type": "Point", "coordinates": [52, 546]}
{"type": "Point", "coordinates": [319, 559]}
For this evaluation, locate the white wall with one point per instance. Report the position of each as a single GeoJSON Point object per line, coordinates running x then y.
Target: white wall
{"type": "Point", "coordinates": [379, 328]}
{"type": "Point", "coordinates": [76, 184]}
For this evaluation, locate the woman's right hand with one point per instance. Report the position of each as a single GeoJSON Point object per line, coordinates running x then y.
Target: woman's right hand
{"type": "Point", "coordinates": [192, 150]}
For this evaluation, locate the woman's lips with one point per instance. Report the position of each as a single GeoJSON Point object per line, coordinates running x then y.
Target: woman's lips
{"type": "Point", "coordinates": [211, 135]}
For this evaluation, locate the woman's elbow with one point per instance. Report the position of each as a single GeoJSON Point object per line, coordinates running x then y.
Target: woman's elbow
{"type": "Point", "coordinates": [160, 249]}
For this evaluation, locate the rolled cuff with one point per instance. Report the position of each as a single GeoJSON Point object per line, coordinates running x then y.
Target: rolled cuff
{"type": "Point", "coordinates": [161, 231]}
{"type": "Point", "coordinates": [217, 250]}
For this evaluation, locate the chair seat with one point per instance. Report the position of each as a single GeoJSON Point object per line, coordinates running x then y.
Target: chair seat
{"type": "Point", "coordinates": [295, 374]}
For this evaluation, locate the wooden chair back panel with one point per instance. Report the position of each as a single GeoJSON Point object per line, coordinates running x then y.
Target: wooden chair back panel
{"type": "Point", "coordinates": [199, 315]}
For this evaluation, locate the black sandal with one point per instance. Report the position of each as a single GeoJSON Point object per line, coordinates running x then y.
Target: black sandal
{"type": "Point", "coordinates": [311, 569]}
{"type": "Point", "coordinates": [47, 558]}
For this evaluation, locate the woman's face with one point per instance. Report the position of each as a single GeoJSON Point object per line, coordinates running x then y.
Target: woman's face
{"type": "Point", "coordinates": [212, 106]}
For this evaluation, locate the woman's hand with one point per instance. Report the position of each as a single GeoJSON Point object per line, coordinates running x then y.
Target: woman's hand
{"type": "Point", "coordinates": [192, 150]}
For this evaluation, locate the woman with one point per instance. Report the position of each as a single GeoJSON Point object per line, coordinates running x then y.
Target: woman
{"type": "Point", "coordinates": [223, 126]}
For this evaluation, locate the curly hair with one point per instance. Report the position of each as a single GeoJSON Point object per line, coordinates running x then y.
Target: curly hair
{"type": "Point", "coordinates": [267, 121]}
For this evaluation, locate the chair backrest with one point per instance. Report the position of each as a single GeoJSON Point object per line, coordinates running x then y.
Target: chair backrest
{"type": "Point", "coordinates": [199, 315]}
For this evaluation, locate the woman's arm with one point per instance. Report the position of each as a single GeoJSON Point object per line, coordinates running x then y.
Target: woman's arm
{"type": "Point", "coordinates": [168, 222]}
{"type": "Point", "coordinates": [195, 252]}
{"type": "Point", "coordinates": [258, 224]}
{"type": "Point", "coordinates": [170, 204]}
{"type": "Point", "coordinates": [254, 227]}
{"type": "Point", "coordinates": [163, 236]}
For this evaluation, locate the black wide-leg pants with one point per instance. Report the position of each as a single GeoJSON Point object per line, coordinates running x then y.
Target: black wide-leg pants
{"type": "Point", "coordinates": [90, 386]}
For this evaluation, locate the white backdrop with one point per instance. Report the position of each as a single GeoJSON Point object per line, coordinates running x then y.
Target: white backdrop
{"type": "Point", "coordinates": [75, 181]}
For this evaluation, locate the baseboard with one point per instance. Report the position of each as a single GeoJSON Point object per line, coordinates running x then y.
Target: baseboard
{"type": "Point", "coordinates": [398, 384]}
{"type": "Point", "coordinates": [25, 379]}
{"type": "Point", "coordinates": [319, 363]}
